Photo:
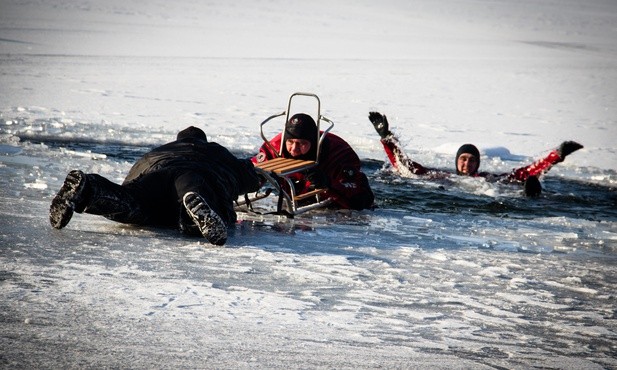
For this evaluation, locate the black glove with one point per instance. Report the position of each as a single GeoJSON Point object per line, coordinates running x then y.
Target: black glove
{"type": "Point", "coordinates": [532, 187]}
{"type": "Point", "coordinates": [568, 147]}
{"type": "Point", "coordinates": [317, 179]}
{"type": "Point", "coordinates": [380, 122]}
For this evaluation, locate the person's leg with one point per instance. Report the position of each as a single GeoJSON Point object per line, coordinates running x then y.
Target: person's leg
{"type": "Point", "coordinates": [115, 202]}
{"type": "Point", "coordinates": [202, 209]}
{"type": "Point", "coordinates": [92, 193]}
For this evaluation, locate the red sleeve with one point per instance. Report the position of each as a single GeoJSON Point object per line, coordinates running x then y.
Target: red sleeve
{"type": "Point", "coordinates": [399, 159]}
{"type": "Point", "coordinates": [267, 152]}
{"type": "Point", "coordinates": [348, 186]}
{"type": "Point", "coordinates": [537, 168]}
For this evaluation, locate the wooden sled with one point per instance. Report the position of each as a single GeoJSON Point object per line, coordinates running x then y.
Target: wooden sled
{"type": "Point", "coordinates": [277, 171]}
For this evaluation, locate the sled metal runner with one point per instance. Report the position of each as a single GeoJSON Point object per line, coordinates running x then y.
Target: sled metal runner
{"type": "Point", "coordinates": [277, 171]}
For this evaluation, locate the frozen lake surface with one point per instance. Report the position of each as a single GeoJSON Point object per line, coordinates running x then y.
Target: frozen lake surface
{"type": "Point", "coordinates": [451, 274]}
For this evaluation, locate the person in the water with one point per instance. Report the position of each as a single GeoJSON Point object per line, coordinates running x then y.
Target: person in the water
{"type": "Point", "coordinates": [467, 160]}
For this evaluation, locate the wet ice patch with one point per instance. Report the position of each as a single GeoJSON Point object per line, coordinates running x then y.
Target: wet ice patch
{"type": "Point", "coordinates": [9, 150]}
{"type": "Point", "coordinates": [87, 154]}
{"type": "Point", "coordinates": [38, 184]}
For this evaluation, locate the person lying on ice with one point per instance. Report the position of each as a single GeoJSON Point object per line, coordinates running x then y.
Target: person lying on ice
{"type": "Point", "coordinates": [189, 183]}
{"type": "Point", "coordinates": [338, 168]}
{"type": "Point", "coordinates": [467, 160]}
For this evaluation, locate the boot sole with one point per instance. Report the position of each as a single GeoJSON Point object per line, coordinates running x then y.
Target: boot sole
{"type": "Point", "coordinates": [63, 204]}
{"type": "Point", "coordinates": [210, 224]}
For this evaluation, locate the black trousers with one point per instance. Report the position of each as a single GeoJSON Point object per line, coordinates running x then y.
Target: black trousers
{"type": "Point", "coordinates": [156, 198]}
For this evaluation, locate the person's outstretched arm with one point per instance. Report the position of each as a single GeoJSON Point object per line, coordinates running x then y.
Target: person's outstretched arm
{"type": "Point", "coordinates": [393, 148]}
{"type": "Point", "coordinates": [542, 165]}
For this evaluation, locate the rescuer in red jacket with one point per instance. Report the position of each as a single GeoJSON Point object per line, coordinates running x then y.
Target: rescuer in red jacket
{"type": "Point", "coordinates": [338, 168]}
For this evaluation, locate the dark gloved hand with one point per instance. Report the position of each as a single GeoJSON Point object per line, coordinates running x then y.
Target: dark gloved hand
{"type": "Point", "coordinates": [380, 122]}
{"type": "Point", "coordinates": [568, 147]}
{"type": "Point", "coordinates": [317, 179]}
{"type": "Point", "coordinates": [532, 187]}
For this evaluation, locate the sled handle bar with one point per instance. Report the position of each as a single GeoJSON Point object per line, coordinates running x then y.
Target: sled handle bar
{"type": "Point", "coordinates": [261, 128]}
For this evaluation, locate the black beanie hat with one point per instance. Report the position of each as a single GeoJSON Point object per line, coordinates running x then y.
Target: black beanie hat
{"type": "Point", "coordinates": [469, 149]}
{"type": "Point", "coordinates": [192, 132]}
{"type": "Point", "coordinates": [302, 126]}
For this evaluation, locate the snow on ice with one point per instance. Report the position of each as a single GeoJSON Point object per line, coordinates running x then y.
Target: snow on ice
{"type": "Point", "coordinates": [455, 274]}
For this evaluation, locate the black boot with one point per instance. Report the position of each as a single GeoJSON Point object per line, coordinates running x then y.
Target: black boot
{"type": "Point", "coordinates": [209, 222]}
{"type": "Point", "coordinates": [72, 197]}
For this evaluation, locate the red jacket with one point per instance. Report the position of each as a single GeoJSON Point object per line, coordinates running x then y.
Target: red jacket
{"type": "Point", "coordinates": [402, 163]}
{"type": "Point", "coordinates": [338, 169]}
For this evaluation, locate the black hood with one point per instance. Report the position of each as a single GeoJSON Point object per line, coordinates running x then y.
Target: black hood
{"type": "Point", "coordinates": [302, 126]}
{"type": "Point", "coordinates": [469, 149]}
{"type": "Point", "coordinates": [192, 132]}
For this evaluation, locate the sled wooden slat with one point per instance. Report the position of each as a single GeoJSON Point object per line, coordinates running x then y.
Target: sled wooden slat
{"type": "Point", "coordinates": [311, 193]}
{"type": "Point", "coordinates": [282, 166]}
